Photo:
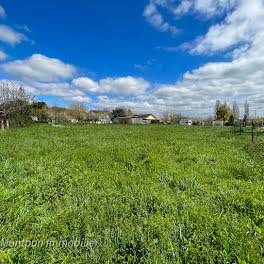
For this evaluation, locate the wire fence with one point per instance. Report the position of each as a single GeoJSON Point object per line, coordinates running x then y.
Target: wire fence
{"type": "Point", "coordinates": [255, 130]}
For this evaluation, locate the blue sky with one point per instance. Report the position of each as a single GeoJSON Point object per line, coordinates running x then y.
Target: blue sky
{"type": "Point", "coordinates": [148, 55]}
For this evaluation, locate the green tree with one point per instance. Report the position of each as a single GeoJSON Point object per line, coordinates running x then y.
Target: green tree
{"type": "Point", "coordinates": [223, 112]}
{"type": "Point", "coordinates": [231, 120]}
{"type": "Point", "coordinates": [118, 112]}
{"type": "Point", "coordinates": [15, 104]}
{"type": "Point", "coordinates": [40, 110]}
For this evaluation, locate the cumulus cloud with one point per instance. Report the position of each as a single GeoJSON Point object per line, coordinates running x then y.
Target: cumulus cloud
{"type": "Point", "coordinates": [10, 36]}
{"type": "Point", "coordinates": [123, 85]}
{"type": "Point", "coordinates": [240, 26]}
{"type": "Point", "coordinates": [243, 20]}
{"type": "Point", "coordinates": [134, 103]}
{"type": "Point", "coordinates": [78, 99]}
{"type": "Point", "coordinates": [240, 79]}
{"type": "Point", "coordinates": [86, 84]}
{"type": "Point", "coordinates": [58, 89]}
{"type": "Point", "coordinates": [40, 68]}
{"type": "Point", "coordinates": [210, 8]}
{"type": "Point", "coordinates": [3, 55]}
{"type": "Point", "coordinates": [240, 35]}
{"type": "Point", "coordinates": [2, 12]}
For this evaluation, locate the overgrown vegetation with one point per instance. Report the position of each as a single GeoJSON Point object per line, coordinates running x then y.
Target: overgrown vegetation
{"type": "Point", "coordinates": [15, 105]}
{"type": "Point", "coordinates": [145, 194]}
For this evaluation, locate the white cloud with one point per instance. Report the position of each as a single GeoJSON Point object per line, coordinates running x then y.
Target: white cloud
{"type": "Point", "coordinates": [86, 84]}
{"type": "Point", "coordinates": [240, 34]}
{"type": "Point", "coordinates": [59, 89]}
{"type": "Point", "coordinates": [242, 21]}
{"type": "Point", "coordinates": [210, 8]}
{"type": "Point", "coordinates": [135, 104]}
{"type": "Point", "coordinates": [155, 18]}
{"type": "Point", "coordinates": [31, 90]}
{"type": "Point", "coordinates": [242, 78]}
{"type": "Point", "coordinates": [2, 12]}
{"type": "Point", "coordinates": [240, 26]}
{"type": "Point", "coordinates": [123, 85]}
{"type": "Point", "coordinates": [3, 55]}
{"type": "Point", "coordinates": [204, 9]}
{"type": "Point", "coordinates": [39, 68]}
{"type": "Point", "coordinates": [78, 99]}
{"type": "Point", "coordinates": [10, 36]}
{"type": "Point", "coordinates": [182, 8]}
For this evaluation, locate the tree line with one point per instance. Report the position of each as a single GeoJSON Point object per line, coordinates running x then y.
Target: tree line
{"type": "Point", "coordinates": [19, 108]}
{"type": "Point", "coordinates": [16, 106]}
{"type": "Point", "coordinates": [229, 114]}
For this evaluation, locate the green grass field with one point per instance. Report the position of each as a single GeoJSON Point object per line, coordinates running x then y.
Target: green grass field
{"type": "Point", "coordinates": [137, 194]}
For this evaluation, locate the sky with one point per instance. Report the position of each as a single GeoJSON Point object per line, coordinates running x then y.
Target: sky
{"type": "Point", "coordinates": [146, 55]}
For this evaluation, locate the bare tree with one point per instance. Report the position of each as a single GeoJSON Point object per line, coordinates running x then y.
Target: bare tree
{"type": "Point", "coordinates": [77, 111]}
{"type": "Point", "coordinates": [101, 116]}
{"type": "Point", "coordinates": [58, 114]}
{"type": "Point", "coordinates": [14, 102]}
{"type": "Point", "coordinates": [217, 107]}
{"type": "Point", "coordinates": [209, 120]}
{"type": "Point", "coordinates": [166, 116]}
{"type": "Point", "coordinates": [236, 111]}
{"type": "Point", "coordinates": [246, 112]}
{"type": "Point", "coordinates": [175, 118]}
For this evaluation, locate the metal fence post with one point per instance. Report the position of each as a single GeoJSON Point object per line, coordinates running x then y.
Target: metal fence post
{"type": "Point", "coordinates": [2, 125]}
{"type": "Point", "coordinates": [252, 132]}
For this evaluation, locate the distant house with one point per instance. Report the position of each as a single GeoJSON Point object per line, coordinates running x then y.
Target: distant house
{"type": "Point", "coordinates": [138, 119]}
{"type": "Point", "coordinates": [218, 123]}
{"type": "Point", "coordinates": [96, 112]}
{"type": "Point", "coordinates": [99, 117]}
{"type": "Point", "coordinates": [51, 121]}
{"type": "Point", "coordinates": [146, 118]}
{"type": "Point", "coordinates": [185, 122]}
{"type": "Point", "coordinates": [35, 119]}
